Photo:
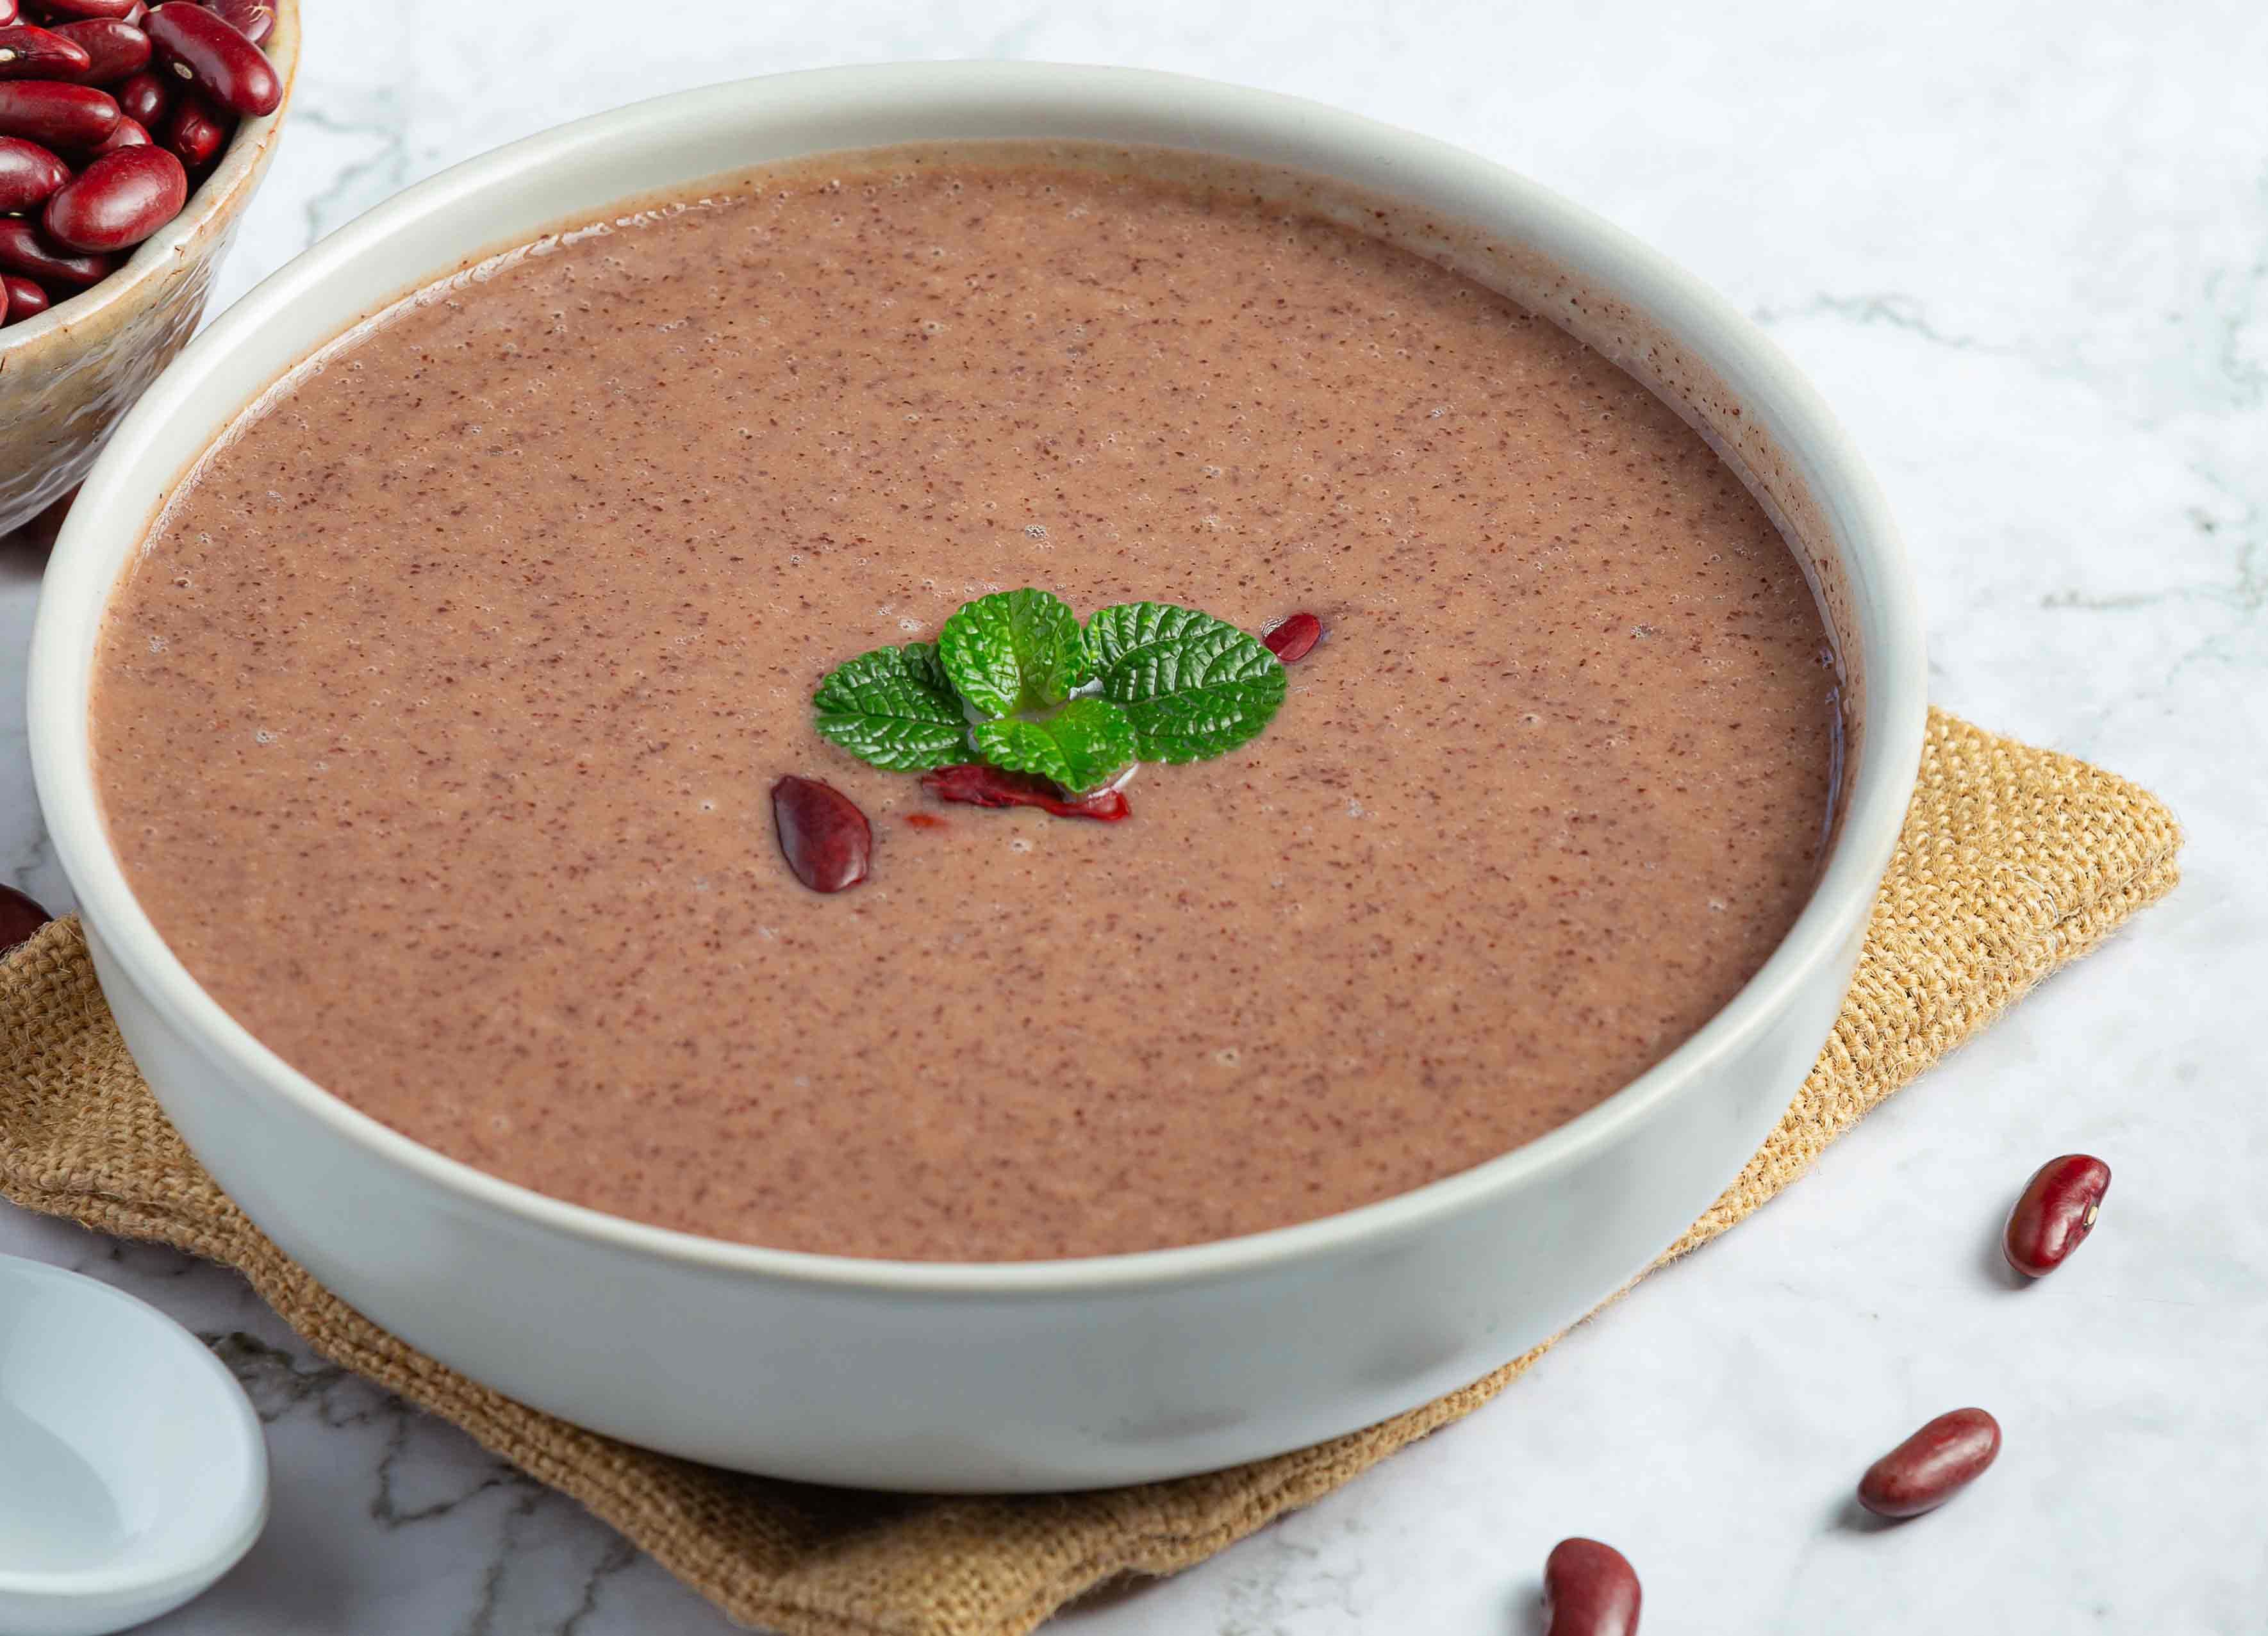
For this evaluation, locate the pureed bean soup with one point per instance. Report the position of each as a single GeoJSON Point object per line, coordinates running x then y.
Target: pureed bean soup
{"type": "Point", "coordinates": [437, 722]}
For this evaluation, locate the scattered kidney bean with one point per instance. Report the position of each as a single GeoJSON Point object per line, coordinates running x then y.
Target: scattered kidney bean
{"type": "Point", "coordinates": [194, 131]}
{"type": "Point", "coordinates": [199, 47]}
{"type": "Point", "coordinates": [118, 201]}
{"type": "Point", "coordinates": [113, 49]}
{"type": "Point", "coordinates": [2055, 1213]}
{"type": "Point", "coordinates": [28, 173]}
{"type": "Point", "coordinates": [66, 9]}
{"type": "Point", "coordinates": [56, 116]}
{"type": "Point", "coordinates": [255, 20]}
{"type": "Point", "coordinates": [30, 52]}
{"type": "Point", "coordinates": [825, 839]}
{"type": "Point", "coordinates": [24, 249]}
{"type": "Point", "coordinates": [1590, 1589]}
{"type": "Point", "coordinates": [19, 917]}
{"type": "Point", "coordinates": [1295, 638]}
{"type": "Point", "coordinates": [143, 97]}
{"type": "Point", "coordinates": [1932, 1465]}
{"type": "Point", "coordinates": [976, 785]}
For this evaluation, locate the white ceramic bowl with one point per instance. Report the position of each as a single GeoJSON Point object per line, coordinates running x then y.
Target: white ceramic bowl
{"type": "Point", "coordinates": [1036, 1375]}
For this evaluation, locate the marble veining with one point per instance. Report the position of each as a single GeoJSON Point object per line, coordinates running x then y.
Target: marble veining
{"type": "Point", "coordinates": [2022, 249]}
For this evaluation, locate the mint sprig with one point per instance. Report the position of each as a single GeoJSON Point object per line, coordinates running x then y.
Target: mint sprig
{"type": "Point", "coordinates": [1082, 746]}
{"type": "Point", "coordinates": [896, 707]}
{"type": "Point", "coordinates": [1195, 687]}
{"type": "Point", "coordinates": [1015, 681]}
{"type": "Point", "coordinates": [1012, 651]}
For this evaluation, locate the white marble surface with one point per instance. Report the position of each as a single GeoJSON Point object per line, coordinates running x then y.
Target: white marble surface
{"type": "Point", "coordinates": [2023, 247]}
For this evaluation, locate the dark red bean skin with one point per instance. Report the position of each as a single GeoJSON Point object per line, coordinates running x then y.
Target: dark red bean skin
{"type": "Point", "coordinates": [113, 49]}
{"type": "Point", "coordinates": [1932, 1465]}
{"type": "Point", "coordinates": [825, 839]}
{"type": "Point", "coordinates": [118, 201]}
{"type": "Point", "coordinates": [214, 57]}
{"type": "Point", "coordinates": [143, 97]}
{"type": "Point", "coordinates": [1295, 638]}
{"type": "Point", "coordinates": [2055, 1213]}
{"type": "Point", "coordinates": [57, 115]}
{"type": "Point", "coordinates": [67, 9]}
{"type": "Point", "coordinates": [131, 134]}
{"type": "Point", "coordinates": [24, 249]}
{"type": "Point", "coordinates": [1589, 1590]}
{"type": "Point", "coordinates": [19, 917]}
{"type": "Point", "coordinates": [255, 20]}
{"type": "Point", "coordinates": [20, 298]}
{"type": "Point", "coordinates": [28, 173]}
{"type": "Point", "coordinates": [975, 785]}
{"type": "Point", "coordinates": [30, 52]}
{"type": "Point", "coordinates": [194, 131]}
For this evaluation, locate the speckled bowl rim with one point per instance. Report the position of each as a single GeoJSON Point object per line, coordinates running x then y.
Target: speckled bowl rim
{"type": "Point", "coordinates": [1880, 775]}
{"type": "Point", "coordinates": [228, 187]}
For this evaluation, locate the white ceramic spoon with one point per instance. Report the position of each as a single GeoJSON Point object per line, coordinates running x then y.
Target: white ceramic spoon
{"type": "Point", "coordinates": [132, 1471]}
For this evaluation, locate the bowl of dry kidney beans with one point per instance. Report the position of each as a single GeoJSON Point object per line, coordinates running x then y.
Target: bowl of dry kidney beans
{"type": "Point", "coordinates": [131, 135]}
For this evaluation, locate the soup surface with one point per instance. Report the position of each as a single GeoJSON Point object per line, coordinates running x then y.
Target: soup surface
{"type": "Point", "coordinates": [436, 723]}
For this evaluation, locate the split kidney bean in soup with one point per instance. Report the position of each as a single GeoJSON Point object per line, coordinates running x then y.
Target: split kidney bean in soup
{"type": "Point", "coordinates": [111, 115]}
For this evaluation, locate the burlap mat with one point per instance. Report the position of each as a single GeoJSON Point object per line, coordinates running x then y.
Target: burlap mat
{"type": "Point", "coordinates": [2013, 861]}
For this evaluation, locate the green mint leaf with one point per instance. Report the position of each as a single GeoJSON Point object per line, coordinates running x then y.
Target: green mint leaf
{"type": "Point", "coordinates": [1082, 746]}
{"type": "Point", "coordinates": [895, 708]}
{"type": "Point", "coordinates": [1014, 650]}
{"type": "Point", "coordinates": [1192, 685]}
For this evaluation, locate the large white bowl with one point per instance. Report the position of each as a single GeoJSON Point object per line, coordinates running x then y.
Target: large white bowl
{"type": "Point", "coordinates": [1011, 1376]}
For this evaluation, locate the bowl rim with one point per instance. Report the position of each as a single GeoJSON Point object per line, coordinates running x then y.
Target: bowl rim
{"type": "Point", "coordinates": [227, 190]}
{"type": "Point", "coordinates": [1879, 777]}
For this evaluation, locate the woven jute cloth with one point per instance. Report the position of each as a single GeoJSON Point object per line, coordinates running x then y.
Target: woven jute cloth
{"type": "Point", "coordinates": [2013, 861]}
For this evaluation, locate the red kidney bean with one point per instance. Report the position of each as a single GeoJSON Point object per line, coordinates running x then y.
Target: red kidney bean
{"type": "Point", "coordinates": [67, 10]}
{"type": "Point", "coordinates": [1590, 1589]}
{"type": "Point", "coordinates": [19, 917]}
{"type": "Point", "coordinates": [20, 298]}
{"type": "Point", "coordinates": [118, 201]}
{"type": "Point", "coordinates": [1295, 638]}
{"type": "Point", "coordinates": [194, 131]}
{"type": "Point", "coordinates": [201, 49]}
{"type": "Point", "coordinates": [131, 134]}
{"type": "Point", "coordinates": [825, 839]}
{"type": "Point", "coordinates": [30, 52]}
{"type": "Point", "coordinates": [2055, 1213]}
{"type": "Point", "coordinates": [28, 173]}
{"type": "Point", "coordinates": [143, 97]}
{"type": "Point", "coordinates": [115, 49]}
{"type": "Point", "coordinates": [56, 116]}
{"type": "Point", "coordinates": [25, 249]}
{"type": "Point", "coordinates": [1932, 1465]}
{"type": "Point", "coordinates": [975, 785]}
{"type": "Point", "coordinates": [255, 20]}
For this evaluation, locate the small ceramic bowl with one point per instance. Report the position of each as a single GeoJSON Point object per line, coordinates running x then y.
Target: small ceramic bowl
{"type": "Point", "coordinates": [68, 376]}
